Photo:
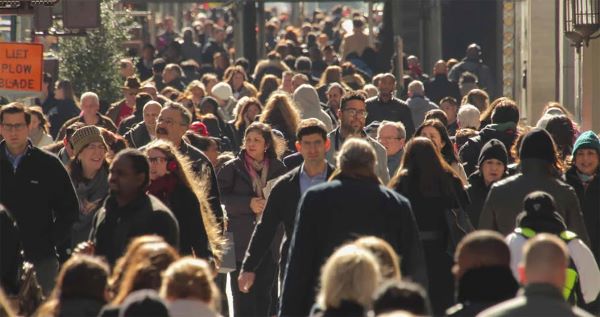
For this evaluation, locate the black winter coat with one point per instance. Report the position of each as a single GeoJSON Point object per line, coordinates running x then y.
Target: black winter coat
{"type": "Point", "coordinates": [192, 234]}
{"type": "Point", "coordinates": [236, 185]}
{"type": "Point", "coordinates": [393, 110]}
{"type": "Point", "coordinates": [114, 227]}
{"type": "Point", "coordinates": [478, 192]}
{"type": "Point", "coordinates": [60, 113]}
{"type": "Point", "coordinates": [440, 87]}
{"type": "Point", "coordinates": [589, 200]}
{"type": "Point", "coordinates": [469, 152]}
{"type": "Point", "coordinates": [80, 307]}
{"type": "Point", "coordinates": [138, 136]}
{"type": "Point", "coordinates": [203, 168]}
{"type": "Point", "coordinates": [280, 209]}
{"type": "Point", "coordinates": [339, 211]}
{"type": "Point", "coordinates": [41, 197]}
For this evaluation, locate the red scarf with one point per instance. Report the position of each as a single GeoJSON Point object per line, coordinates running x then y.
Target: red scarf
{"type": "Point", "coordinates": [163, 187]}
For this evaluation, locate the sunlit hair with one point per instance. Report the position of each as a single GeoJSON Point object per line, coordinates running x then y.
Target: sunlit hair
{"type": "Point", "coordinates": [389, 261]}
{"type": "Point", "coordinates": [424, 169]}
{"type": "Point", "coordinates": [478, 98]}
{"type": "Point", "coordinates": [195, 84]}
{"type": "Point", "coordinates": [190, 278]}
{"type": "Point", "coordinates": [123, 263]}
{"type": "Point", "coordinates": [275, 146]}
{"type": "Point", "coordinates": [350, 274]}
{"type": "Point", "coordinates": [200, 187]}
{"type": "Point", "coordinates": [81, 277]}
{"type": "Point", "coordinates": [268, 84]}
{"type": "Point", "coordinates": [146, 268]}
{"type": "Point", "coordinates": [228, 78]}
{"type": "Point", "coordinates": [281, 110]}
{"type": "Point", "coordinates": [39, 114]}
{"type": "Point", "coordinates": [243, 106]}
{"type": "Point", "coordinates": [332, 74]}
{"type": "Point", "coordinates": [356, 160]}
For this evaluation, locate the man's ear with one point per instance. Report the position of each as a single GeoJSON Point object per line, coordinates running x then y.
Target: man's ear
{"type": "Point", "coordinates": [327, 144]}
{"type": "Point", "coordinates": [298, 146]}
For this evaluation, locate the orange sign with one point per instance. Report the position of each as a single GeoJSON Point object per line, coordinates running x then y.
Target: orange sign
{"type": "Point", "coordinates": [21, 66]}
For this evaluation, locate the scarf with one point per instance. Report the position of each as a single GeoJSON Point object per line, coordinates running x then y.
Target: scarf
{"type": "Point", "coordinates": [163, 187]}
{"type": "Point", "coordinates": [254, 168]}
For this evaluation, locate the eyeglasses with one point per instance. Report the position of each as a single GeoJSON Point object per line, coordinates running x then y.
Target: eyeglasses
{"type": "Point", "coordinates": [356, 113]}
{"type": "Point", "coordinates": [388, 139]}
{"type": "Point", "coordinates": [157, 159]}
{"type": "Point", "coordinates": [10, 127]}
{"type": "Point", "coordinates": [168, 122]}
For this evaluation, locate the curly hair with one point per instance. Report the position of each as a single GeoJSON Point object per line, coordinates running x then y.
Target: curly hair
{"type": "Point", "coordinates": [281, 111]}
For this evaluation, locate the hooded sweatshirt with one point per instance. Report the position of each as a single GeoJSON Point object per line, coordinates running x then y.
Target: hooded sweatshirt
{"type": "Point", "coordinates": [307, 101]}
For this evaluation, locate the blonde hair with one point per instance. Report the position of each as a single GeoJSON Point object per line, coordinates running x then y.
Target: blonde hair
{"type": "Point", "coordinates": [350, 274]}
{"type": "Point", "coordinates": [200, 188]}
{"type": "Point", "coordinates": [389, 261]}
{"type": "Point", "coordinates": [190, 278]}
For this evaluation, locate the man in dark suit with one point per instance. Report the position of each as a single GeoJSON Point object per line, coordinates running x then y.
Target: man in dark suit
{"type": "Point", "coordinates": [353, 203]}
{"type": "Point", "coordinates": [281, 206]}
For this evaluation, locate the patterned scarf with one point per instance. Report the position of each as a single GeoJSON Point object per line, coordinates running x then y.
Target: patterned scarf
{"type": "Point", "coordinates": [255, 168]}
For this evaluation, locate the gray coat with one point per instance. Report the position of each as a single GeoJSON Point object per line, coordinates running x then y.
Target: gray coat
{"type": "Point", "coordinates": [381, 168]}
{"type": "Point", "coordinates": [418, 107]}
{"type": "Point", "coordinates": [236, 191]}
{"type": "Point", "coordinates": [505, 199]}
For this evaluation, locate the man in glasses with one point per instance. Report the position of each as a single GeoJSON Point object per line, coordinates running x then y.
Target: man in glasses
{"type": "Point", "coordinates": [36, 189]}
{"type": "Point", "coordinates": [352, 115]}
{"type": "Point", "coordinates": [392, 135]}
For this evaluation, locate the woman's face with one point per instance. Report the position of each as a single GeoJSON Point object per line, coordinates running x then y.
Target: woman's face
{"type": "Point", "coordinates": [251, 112]}
{"type": "Point", "coordinates": [197, 93]}
{"type": "Point", "coordinates": [587, 161]}
{"type": "Point", "coordinates": [212, 153]}
{"type": "Point", "coordinates": [59, 93]}
{"type": "Point", "coordinates": [35, 123]}
{"type": "Point", "coordinates": [93, 156]}
{"type": "Point", "coordinates": [237, 80]}
{"type": "Point", "coordinates": [158, 164]}
{"type": "Point", "coordinates": [492, 170]}
{"type": "Point", "coordinates": [432, 134]}
{"type": "Point", "coordinates": [255, 145]}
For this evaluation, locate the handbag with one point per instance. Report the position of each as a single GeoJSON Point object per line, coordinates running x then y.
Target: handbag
{"type": "Point", "coordinates": [228, 263]}
{"type": "Point", "coordinates": [458, 224]}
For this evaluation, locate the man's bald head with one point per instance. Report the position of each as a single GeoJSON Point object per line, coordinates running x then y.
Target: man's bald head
{"type": "Point", "coordinates": [545, 258]}
{"type": "Point", "coordinates": [440, 68]}
{"type": "Point", "coordinates": [482, 248]}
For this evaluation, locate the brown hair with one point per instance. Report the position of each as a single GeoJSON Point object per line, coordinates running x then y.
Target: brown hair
{"type": "Point", "coordinates": [268, 84]}
{"type": "Point", "coordinates": [332, 74]}
{"type": "Point", "coordinates": [243, 107]}
{"type": "Point", "coordinates": [200, 187]}
{"type": "Point", "coordinates": [82, 276]}
{"type": "Point", "coordinates": [274, 145]}
{"type": "Point", "coordinates": [424, 169]}
{"type": "Point", "coordinates": [146, 268]}
{"type": "Point", "coordinates": [280, 109]}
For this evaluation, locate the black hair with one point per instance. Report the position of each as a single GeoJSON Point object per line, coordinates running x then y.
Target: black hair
{"type": "Point", "coordinates": [352, 95]}
{"type": "Point", "coordinates": [158, 65]}
{"type": "Point", "coordinates": [139, 163]}
{"type": "Point", "coordinates": [401, 295]}
{"type": "Point", "coordinates": [311, 126]}
{"type": "Point", "coordinates": [505, 112]}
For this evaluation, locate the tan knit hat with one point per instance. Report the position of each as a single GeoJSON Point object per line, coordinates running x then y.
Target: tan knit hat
{"type": "Point", "coordinates": [84, 136]}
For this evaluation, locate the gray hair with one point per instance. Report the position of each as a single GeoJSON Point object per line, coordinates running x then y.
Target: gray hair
{"type": "Point", "coordinates": [468, 117]}
{"type": "Point", "coordinates": [356, 153]}
{"type": "Point", "coordinates": [416, 87]}
{"type": "Point", "coordinates": [186, 116]}
{"type": "Point", "coordinates": [92, 95]}
{"type": "Point", "coordinates": [398, 125]}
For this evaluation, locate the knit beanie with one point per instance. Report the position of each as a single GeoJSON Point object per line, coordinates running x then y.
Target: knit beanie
{"type": "Point", "coordinates": [222, 91]}
{"type": "Point", "coordinates": [84, 136]}
{"type": "Point", "coordinates": [493, 149]}
{"type": "Point", "coordinates": [587, 140]}
{"type": "Point", "coordinates": [539, 213]}
{"type": "Point", "coordinates": [538, 144]}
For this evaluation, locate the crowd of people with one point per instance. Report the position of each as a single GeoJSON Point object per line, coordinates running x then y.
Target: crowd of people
{"type": "Point", "coordinates": [312, 184]}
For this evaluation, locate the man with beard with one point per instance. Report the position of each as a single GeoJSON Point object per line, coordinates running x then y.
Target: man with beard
{"type": "Point", "coordinates": [352, 114]}
{"type": "Point", "coordinates": [387, 107]}
{"type": "Point", "coordinates": [172, 123]}
{"type": "Point", "coordinates": [335, 92]}
{"type": "Point", "coordinates": [129, 211]}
